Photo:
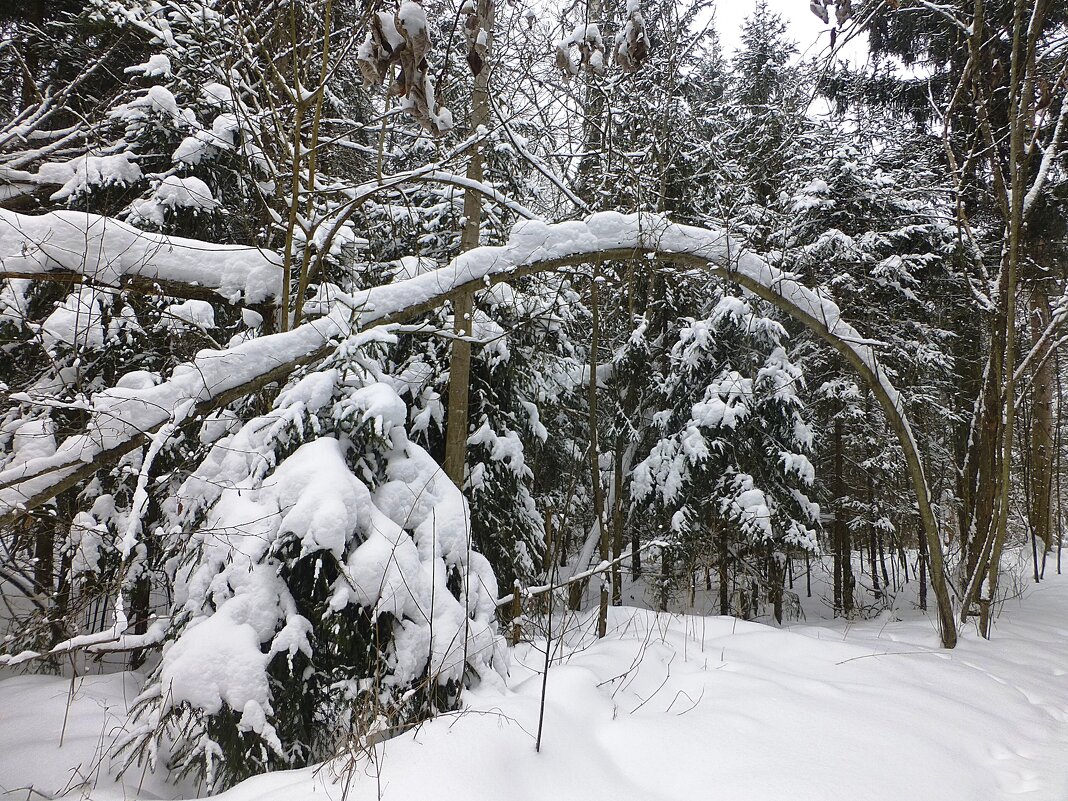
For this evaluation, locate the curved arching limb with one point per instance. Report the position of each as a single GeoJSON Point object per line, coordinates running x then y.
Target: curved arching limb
{"type": "Point", "coordinates": [122, 421]}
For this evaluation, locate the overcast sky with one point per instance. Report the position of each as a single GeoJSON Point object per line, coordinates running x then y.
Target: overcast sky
{"type": "Point", "coordinates": [805, 28]}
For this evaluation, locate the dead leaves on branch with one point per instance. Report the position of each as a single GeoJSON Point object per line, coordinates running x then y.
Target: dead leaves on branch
{"type": "Point", "coordinates": [402, 38]}
{"type": "Point", "coordinates": [587, 39]}
{"type": "Point", "coordinates": [632, 42]}
{"type": "Point", "coordinates": [631, 46]}
{"type": "Point", "coordinates": [477, 31]}
{"type": "Point", "coordinates": [843, 10]}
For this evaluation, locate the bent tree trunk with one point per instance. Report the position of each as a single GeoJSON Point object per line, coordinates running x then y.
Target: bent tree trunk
{"type": "Point", "coordinates": [216, 378]}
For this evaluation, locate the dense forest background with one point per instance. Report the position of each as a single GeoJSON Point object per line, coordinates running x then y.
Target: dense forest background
{"type": "Point", "coordinates": [340, 338]}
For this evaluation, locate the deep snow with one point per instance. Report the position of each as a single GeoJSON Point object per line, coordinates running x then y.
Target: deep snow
{"type": "Point", "coordinates": [668, 707]}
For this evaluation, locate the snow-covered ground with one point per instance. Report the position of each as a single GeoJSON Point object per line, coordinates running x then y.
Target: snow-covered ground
{"type": "Point", "coordinates": [665, 707]}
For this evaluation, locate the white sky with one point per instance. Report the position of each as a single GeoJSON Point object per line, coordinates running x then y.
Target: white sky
{"type": "Point", "coordinates": [812, 37]}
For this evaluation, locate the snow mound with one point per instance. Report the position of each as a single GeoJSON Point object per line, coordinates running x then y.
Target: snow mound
{"type": "Point", "coordinates": [666, 708]}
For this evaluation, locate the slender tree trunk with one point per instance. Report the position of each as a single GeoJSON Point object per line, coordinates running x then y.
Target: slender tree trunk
{"type": "Point", "coordinates": [33, 13]}
{"type": "Point", "coordinates": [297, 155]}
{"type": "Point", "coordinates": [873, 555]}
{"type": "Point", "coordinates": [983, 458]}
{"type": "Point", "coordinates": [595, 457]}
{"type": "Point", "coordinates": [923, 573]}
{"type": "Point", "coordinates": [775, 582]}
{"type": "Point", "coordinates": [635, 555]}
{"type": "Point", "coordinates": [140, 609]}
{"type": "Point", "coordinates": [456, 427]}
{"type": "Point", "coordinates": [1020, 103]}
{"type": "Point", "coordinates": [617, 528]}
{"type": "Point", "coordinates": [872, 546]}
{"type": "Point", "coordinates": [44, 549]}
{"type": "Point", "coordinates": [665, 578]}
{"type": "Point", "coordinates": [843, 568]}
{"type": "Point", "coordinates": [593, 126]}
{"type": "Point", "coordinates": [1041, 450]}
{"type": "Point", "coordinates": [723, 565]}
{"type": "Point", "coordinates": [305, 271]}
{"type": "Point", "coordinates": [882, 561]}
{"type": "Point", "coordinates": [1057, 452]}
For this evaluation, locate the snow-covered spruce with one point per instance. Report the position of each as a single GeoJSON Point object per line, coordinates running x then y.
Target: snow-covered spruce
{"type": "Point", "coordinates": [728, 448]}
{"type": "Point", "coordinates": [325, 585]}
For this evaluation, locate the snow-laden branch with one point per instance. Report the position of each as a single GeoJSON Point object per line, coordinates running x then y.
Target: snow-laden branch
{"type": "Point", "coordinates": [112, 253]}
{"type": "Point", "coordinates": [603, 567]}
{"type": "Point", "coordinates": [139, 503]}
{"type": "Point", "coordinates": [942, 9]}
{"type": "Point", "coordinates": [121, 419]}
{"type": "Point", "coordinates": [109, 640]}
{"type": "Point", "coordinates": [1045, 345]}
{"type": "Point", "coordinates": [484, 189]}
{"type": "Point", "coordinates": [1049, 158]}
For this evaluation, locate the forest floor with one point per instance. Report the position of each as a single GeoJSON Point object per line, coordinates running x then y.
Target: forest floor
{"type": "Point", "coordinates": [665, 707]}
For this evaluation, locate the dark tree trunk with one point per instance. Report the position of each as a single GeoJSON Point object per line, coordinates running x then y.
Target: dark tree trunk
{"type": "Point", "coordinates": [617, 529]}
{"type": "Point", "coordinates": [775, 582]}
{"type": "Point", "coordinates": [923, 573]}
{"type": "Point", "coordinates": [843, 569]}
{"type": "Point", "coordinates": [1041, 451]}
{"type": "Point", "coordinates": [722, 564]}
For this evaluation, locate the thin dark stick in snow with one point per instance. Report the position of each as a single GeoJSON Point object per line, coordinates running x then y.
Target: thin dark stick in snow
{"type": "Point", "coordinates": [70, 700]}
{"type": "Point", "coordinates": [694, 704]}
{"type": "Point", "coordinates": [888, 653]}
{"type": "Point", "coordinates": [667, 677]}
{"type": "Point", "coordinates": [548, 640]}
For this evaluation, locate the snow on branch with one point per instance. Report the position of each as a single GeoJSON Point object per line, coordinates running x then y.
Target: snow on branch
{"type": "Point", "coordinates": [121, 419]}
{"type": "Point", "coordinates": [1049, 158]}
{"type": "Point", "coordinates": [105, 251]}
{"type": "Point", "coordinates": [111, 639]}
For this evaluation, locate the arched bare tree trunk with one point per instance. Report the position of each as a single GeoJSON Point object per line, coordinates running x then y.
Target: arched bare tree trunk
{"type": "Point", "coordinates": [122, 423]}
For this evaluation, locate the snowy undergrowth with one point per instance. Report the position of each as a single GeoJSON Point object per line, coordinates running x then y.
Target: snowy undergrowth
{"type": "Point", "coordinates": [673, 707]}
{"type": "Point", "coordinates": [55, 736]}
